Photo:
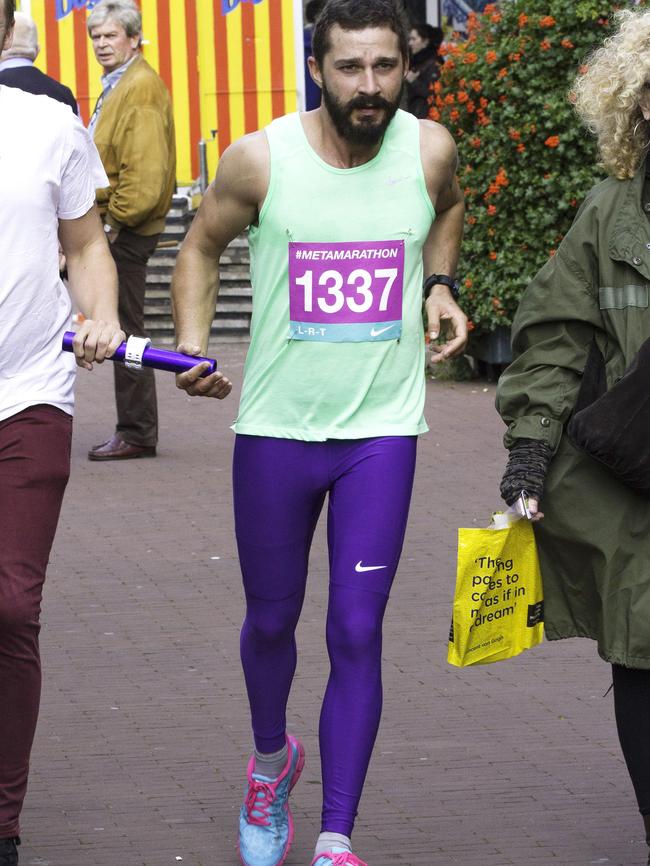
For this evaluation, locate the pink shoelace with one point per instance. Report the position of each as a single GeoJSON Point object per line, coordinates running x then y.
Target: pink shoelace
{"type": "Point", "coordinates": [346, 858]}
{"type": "Point", "coordinates": [259, 799]}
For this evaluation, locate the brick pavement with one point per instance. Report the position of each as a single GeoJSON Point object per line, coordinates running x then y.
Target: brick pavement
{"type": "Point", "coordinates": [144, 734]}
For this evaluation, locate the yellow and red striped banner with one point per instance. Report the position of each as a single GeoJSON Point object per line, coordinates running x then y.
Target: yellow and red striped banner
{"type": "Point", "coordinates": [230, 65]}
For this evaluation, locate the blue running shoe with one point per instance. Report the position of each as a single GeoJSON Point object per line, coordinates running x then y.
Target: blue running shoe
{"type": "Point", "coordinates": [265, 822]}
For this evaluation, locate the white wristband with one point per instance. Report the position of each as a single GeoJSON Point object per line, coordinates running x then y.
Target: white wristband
{"type": "Point", "coordinates": [135, 347]}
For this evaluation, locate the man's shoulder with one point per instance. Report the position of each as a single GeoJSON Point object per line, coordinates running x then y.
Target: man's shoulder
{"type": "Point", "coordinates": [142, 80]}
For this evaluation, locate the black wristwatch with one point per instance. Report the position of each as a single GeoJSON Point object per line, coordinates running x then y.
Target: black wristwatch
{"type": "Point", "coordinates": [443, 280]}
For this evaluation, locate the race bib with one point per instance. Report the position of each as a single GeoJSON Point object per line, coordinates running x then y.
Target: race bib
{"type": "Point", "coordinates": [346, 292]}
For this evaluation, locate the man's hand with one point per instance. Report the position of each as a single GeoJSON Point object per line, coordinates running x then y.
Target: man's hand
{"type": "Point", "coordinates": [214, 385]}
{"type": "Point", "coordinates": [96, 341]}
{"type": "Point", "coordinates": [444, 313]}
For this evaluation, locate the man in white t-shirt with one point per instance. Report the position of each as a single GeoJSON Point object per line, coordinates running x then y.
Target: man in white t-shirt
{"type": "Point", "coordinates": [49, 170]}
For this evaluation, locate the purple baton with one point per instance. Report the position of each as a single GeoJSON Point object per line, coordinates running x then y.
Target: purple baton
{"type": "Point", "coordinates": [136, 352]}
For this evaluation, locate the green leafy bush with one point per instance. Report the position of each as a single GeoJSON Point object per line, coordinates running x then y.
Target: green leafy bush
{"type": "Point", "coordinates": [526, 162]}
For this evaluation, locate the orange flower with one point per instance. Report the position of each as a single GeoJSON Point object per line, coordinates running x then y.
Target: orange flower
{"type": "Point", "coordinates": [476, 85]}
{"type": "Point", "coordinates": [434, 114]}
{"type": "Point", "coordinates": [514, 134]}
{"type": "Point", "coordinates": [470, 325]}
{"type": "Point", "coordinates": [521, 148]}
{"type": "Point", "coordinates": [471, 220]}
{"type": "Point", "coordinates": [475, 142]}
{"type": "Point", "coordinates": [523, 19]}
{"type": "Point", "coordinates": [545, 45]}
{"type": "Point", "coordinates": [514, 58]}
{"type": "Point", "coordinates": [502, 72]}
{"type": "Point", "coordinates": [491, 210]}
{"type": "Point", "coordinates": [502, 177]}
{"type": "Point", "coordinates": [471, 108]}
{"type": "Point", "coordinates": [449, 99]}
{"type": "Point", "coordinates": [454, 115]}
{"type": "Point", "coordinates": [462, 96]}
{"type": "Point", "coordinates": [552, 253]}
{"type": "Point", "coordinates": [492, 254]}
{"type": "Point", "coordinates": [547, 21]}
{"type": "Point", "coordinates": [490, 57]}
{"type": "Point", "coordinates": [566, 43]}
{"type": "Point", "coordinates": [470, 58]}
{"type": "Point", "coordinates": [552, 141]}
{"type": "Point", "coordinates": [490, 9]}
{"type": "Point", "coordinates": [495, 17]}
{"type": "Point", "coordinates": [449, 64]}
{"type": "Point", "coordinates": [469, 283]}
{"type": "Point", "coordinates": [483, 119]}
{"type": "Point", "coordinates": [437, 87]}
{"type": "Point", "coordinates": [496, 303]}
{"type": "Point", "coordinates": [483, 102]}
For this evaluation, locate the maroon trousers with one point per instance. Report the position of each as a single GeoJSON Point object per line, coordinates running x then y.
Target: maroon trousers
{"type": "Point", "coordinates": [34, 469]}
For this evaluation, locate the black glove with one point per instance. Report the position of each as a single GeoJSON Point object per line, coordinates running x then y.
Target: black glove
{"type": "Point", "coordinates": [526, 469]}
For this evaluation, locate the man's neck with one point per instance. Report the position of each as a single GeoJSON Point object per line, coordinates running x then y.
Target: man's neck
{"type": "Point", "coordinates": [332, 148]}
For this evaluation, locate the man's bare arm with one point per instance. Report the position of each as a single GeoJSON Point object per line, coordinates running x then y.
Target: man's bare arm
{"type": "Point", "coordinates": [442, 247]}
{"type": "Point", "coordinates": [93, 285]}
{"type": "Point", "coordinates": [231, 203]}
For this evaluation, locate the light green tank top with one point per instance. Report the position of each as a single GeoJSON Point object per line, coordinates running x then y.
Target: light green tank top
{"type": "Point", "coordinates": [337, 341]}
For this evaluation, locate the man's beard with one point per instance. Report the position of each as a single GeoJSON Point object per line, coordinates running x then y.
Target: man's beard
{"type": "Point", "coordinates": [365, 132]}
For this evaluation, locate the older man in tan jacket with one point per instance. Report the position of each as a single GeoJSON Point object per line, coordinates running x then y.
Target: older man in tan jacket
{"type": "Point", "coordinates": [133, 128]}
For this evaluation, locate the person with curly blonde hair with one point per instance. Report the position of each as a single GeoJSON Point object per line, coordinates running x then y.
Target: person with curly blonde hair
{"type": "Point", "coordinates": [613, 96]}
{"type": "Point", "coordinates": [581, 324]}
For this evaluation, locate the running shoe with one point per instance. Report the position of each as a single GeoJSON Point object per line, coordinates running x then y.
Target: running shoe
{"type": "Point", "coordinates": [344, 858]}
{"type": "Point", "coordinates": [265, 822]}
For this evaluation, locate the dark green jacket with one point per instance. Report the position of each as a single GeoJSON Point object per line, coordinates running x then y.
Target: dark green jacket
{"type": "Point", "coordinates": [594, 540]}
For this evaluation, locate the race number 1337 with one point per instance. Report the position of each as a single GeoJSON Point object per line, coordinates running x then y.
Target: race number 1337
{"type": "Point", "coordinates": [346, 292]}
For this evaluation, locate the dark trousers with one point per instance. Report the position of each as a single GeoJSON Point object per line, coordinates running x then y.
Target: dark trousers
{"type": "Point", "coordinates": [135, 390]}
{"type": "Point", "coordinates": [632, 707]}
{"type": "Point", "coordinates": [34, 469]}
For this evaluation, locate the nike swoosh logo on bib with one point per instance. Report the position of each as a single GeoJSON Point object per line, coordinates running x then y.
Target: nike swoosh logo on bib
{"type": "Point", "coordinates": [375, 332]}
{"type": "Point", "coordinates": [359, 567]}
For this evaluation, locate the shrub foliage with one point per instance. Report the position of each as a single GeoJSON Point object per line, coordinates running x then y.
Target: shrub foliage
{"type": "Point", "coordinates": [525, 159]}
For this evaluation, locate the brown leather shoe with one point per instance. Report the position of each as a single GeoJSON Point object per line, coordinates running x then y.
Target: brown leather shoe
{"type": "Point", "coordinates": [117, 449]}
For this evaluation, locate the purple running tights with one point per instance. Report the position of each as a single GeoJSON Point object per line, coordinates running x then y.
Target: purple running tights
{"type": "Point", "coordinates": [279, 489]}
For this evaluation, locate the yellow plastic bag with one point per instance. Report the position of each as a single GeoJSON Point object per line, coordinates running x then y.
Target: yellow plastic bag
{"type": "Point", "coordinates": [498, 606]}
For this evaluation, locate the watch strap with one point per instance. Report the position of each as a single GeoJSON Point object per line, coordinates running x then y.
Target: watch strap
{"type": "Point", "coordinates": [442, 280]}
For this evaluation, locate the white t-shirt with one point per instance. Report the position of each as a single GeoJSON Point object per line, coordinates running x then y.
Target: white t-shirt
{"type": "Point", "coordinates": [49, 170]}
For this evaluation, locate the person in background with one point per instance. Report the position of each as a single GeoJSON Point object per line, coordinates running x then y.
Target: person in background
{"type": "Point", "coordinates": [48, 186]}
{"type": "Point", "coordinates": [590, 302]}
{"type": "Point", "coordinates": [17, 65]}
{"type": "Point", "coordinates": [133, 128]}
{"type": "Point", "coordinates": [312, 90]}
{"type": "Point", "coordinates": [424, 67]}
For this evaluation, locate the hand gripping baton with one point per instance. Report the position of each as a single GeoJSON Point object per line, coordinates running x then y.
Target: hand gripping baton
{"type": "Point", "coordinates": [137, 352]}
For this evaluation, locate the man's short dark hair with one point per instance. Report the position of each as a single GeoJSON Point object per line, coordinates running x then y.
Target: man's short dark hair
{"type": "Point", "coordinates": [10, 8]}
{"type": "Point", "coordinates": [312, 10]}
{"type": "Point", "coordinates": [358, 15]}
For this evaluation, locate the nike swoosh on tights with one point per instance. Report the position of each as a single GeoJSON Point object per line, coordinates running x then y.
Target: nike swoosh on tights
{"type": "Point", "coordinates": [359, 567]}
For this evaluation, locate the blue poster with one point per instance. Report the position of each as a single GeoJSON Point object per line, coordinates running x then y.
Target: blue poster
{"type": "Point", "coordinates": [458, 10]}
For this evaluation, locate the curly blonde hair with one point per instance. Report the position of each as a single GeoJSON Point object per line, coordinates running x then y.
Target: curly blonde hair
{"type": "Point", "coordinates": [607, 94]}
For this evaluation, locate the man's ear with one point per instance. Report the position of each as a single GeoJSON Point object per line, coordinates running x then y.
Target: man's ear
{"type": "Point", "coordinates": [315, 72]}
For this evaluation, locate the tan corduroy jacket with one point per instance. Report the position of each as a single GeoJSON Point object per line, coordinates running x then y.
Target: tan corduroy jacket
{"type": "Point", "coordinates": [135, 139]}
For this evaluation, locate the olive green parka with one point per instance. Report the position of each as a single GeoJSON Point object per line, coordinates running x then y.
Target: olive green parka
{"type": "Point", "coordinates": [594, 540]}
